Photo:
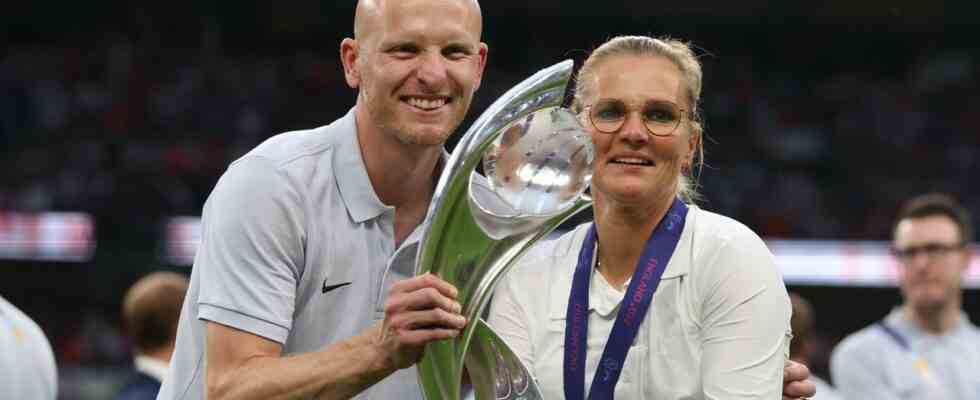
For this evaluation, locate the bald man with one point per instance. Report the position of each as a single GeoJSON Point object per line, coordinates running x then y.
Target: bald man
{"type": "Point", "coordinates": [303, 284]}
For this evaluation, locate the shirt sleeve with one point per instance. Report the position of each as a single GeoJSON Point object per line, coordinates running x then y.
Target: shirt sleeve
{"type": "Point", "coordinates": [857, 373]}
{"type": "Point", "coordinates": [509, 319]}
{"type": "Point", "coordinates": [745, 315]}
{"type": "Point", "coordinates": [251, 252]}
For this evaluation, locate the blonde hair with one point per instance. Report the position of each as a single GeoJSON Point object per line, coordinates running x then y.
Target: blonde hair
{"type": "Point", "coordinates": [683, 57]}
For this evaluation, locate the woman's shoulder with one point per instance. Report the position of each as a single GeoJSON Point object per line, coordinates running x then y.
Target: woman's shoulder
{"type": "Point", "coordinates": [720, 230]}
{"type": "Point", "coordinates": [720, 242]}
{"type": "Point", "coordinates": [550, 254]}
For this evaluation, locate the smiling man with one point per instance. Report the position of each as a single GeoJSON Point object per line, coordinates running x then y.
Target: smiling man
{"type": "Point", "coordinates": [926, 348]}
{"type": "Point", "coordinates": [302, 286]}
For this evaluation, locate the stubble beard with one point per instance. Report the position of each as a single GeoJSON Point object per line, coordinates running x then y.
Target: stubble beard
{"type": "Point", "coordinates": [930, 306]}
{"type": "Point", "coordinates": [426, 139]}
{"type": "Point", "coordinates": [389, 123]}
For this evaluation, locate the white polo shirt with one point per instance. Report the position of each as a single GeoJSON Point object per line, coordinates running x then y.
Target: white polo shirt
{"type": "Point", "coordinates": [717, 327]}
{"type": "Point", "coordinates": [27, 365]}
{"type": "Point", "coordinates": [285, 230]}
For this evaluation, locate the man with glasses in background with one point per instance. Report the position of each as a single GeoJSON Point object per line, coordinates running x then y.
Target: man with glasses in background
{"type": "Point", "coordinates": [926, 348]}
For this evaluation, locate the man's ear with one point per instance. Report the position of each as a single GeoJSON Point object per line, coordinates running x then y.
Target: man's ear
{"type": "Point", "coordinates": [482, 52]}
{"type": "Point", "coordinates": [348, 56]}
{"type": "Point", "coordinates": [967, 254]}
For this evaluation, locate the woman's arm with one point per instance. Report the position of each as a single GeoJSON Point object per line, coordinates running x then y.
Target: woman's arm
{"type": "Point", "coordinates": [745, 322]}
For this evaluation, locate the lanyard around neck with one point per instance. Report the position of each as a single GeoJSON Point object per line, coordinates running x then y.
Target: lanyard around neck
{"type": "Point", "coordinates": [646, 278]}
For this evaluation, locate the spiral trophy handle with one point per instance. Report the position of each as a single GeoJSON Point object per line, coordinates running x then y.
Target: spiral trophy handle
{"type": "Point", "coordinates": [537, 163]}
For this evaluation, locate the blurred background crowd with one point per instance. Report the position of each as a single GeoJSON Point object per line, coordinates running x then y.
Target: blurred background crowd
{"type": "Point", "coordinates": [820, 123]}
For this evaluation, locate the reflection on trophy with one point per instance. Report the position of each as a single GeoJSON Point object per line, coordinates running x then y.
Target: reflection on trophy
{"type": "Point", "coordinates": [537, 162]}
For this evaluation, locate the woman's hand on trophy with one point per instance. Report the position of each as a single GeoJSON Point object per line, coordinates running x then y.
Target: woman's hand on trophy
{"type": "Point", "coordinates": [418, 310]}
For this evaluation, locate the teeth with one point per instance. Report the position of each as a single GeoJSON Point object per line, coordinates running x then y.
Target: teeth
{"type": "Point", "coordinates": [630, 160]}
{"type": "Point", "coordinates": [426, 104]}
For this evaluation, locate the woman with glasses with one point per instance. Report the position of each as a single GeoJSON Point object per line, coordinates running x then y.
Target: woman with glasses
{"type": "Point", "coordinates": [657, 298]}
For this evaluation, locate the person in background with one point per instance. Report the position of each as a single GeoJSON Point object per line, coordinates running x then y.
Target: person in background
{"type": "Point", "coordinates": [801, 346]}
{"type": "Point", "coordinates": [150, 311]}
{"type": "Point", "coordinates": [926, 348]}
{"type": "Point", "coordinates": [27, 364]}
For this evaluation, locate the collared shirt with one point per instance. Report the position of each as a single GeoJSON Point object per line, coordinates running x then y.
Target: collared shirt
{"type": "Point", "coordinates": [285, 225]}
{"type": "Point", "coordinates": [27, 365]}
{"type": "Point", "coordinates": [151, 366]}
{"type": "Point", "coordinates": [872, 364]}
{"type": "Point", "coordinates": [717, 327]}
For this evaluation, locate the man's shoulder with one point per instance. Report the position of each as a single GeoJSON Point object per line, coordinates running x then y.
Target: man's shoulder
{"type": "Point", "coordinates": [287, 147]}
{"type": "Point", "coordinates": [866, 341]}
{"type": "Point", "coordinates": [22, 322]}
{"type": "Point", "coordinates": [973, 330]}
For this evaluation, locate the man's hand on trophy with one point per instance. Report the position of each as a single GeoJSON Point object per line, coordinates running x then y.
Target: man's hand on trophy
{"type": "Point", "coordinates": [418, 311]}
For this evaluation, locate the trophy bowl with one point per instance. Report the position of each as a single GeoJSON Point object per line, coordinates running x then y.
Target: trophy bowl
{"type": "Point", "coordinates": [537, 163]}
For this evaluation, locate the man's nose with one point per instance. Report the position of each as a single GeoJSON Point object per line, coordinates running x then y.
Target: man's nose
{"type": "Point", "coordinates": [432, 69]}
{"type": "Point", "coordinates": [919, 259]}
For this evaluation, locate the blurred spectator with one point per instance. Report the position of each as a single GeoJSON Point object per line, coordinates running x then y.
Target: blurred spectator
{"type": "Point", "coordinates": [151, 310]}
{"type": "Point", "coordinates": [802, 345]}
{"type": "Point", "coordinates": [118, 122]}
{"type": "Point", "coordinates": [27, 366]}
{"type": "Point", "coordinates": [926, 348]}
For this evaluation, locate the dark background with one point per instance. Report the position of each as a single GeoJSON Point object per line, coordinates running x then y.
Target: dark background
{"type": "Point", "coordinates": [821, 119]}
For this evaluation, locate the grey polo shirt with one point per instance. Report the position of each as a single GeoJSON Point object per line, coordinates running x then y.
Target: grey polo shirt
{"type": "Point", "coordinates": [872, 364]}
{"type": "Point", "coordinates": [27, 366]}
{"type": "Point", "coordinates": [286, 222]}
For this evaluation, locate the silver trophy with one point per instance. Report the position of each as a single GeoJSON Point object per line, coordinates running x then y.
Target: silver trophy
{"type": "Point", "coordinates": [537, 163]}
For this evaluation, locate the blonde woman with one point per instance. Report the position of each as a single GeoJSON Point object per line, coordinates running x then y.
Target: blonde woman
{"type": "Point", "coordinates": [657, 298]}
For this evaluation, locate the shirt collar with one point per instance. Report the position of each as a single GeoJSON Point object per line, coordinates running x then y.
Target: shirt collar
{"type": "Point", "coordinates": [352, 179]}
{"type": "Point", "coordinates": [603, 298]}
{"type": "Point", "coordinates": [897, 320]}
{"type": "Point", "coordinates": [151, 366]}
{"type": "Point", "coordinates": [568, 255]}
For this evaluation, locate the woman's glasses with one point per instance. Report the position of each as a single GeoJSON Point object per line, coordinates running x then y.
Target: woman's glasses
{"type": "Point", "coordinates": [660, 117]}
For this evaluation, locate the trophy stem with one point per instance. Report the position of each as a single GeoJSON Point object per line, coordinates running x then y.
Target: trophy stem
{"type": "Point", "coordinates": [477, 226]}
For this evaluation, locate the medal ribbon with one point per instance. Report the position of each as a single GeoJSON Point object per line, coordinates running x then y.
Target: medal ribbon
{"type": "Point", "coordinates": [646, 278]}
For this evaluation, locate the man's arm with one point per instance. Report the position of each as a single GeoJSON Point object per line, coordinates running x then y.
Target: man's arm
{"type": "Point", "coordinates": [241, 365]}
{"type": "Point", "coordinates": [245, 366]}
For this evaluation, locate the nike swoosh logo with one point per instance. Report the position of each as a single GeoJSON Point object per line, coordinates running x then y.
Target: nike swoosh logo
{"type": "Point", "coordinates": [332, 287]}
